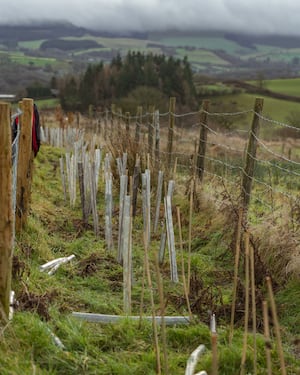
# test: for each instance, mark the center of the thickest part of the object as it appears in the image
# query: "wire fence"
(171, 141)
(277, 159)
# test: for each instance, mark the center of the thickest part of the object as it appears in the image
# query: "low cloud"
(265, 16)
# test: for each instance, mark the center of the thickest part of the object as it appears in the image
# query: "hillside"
(45, 338)
(48, 50)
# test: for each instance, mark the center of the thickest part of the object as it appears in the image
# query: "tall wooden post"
(248, 171)
(127, 122)
(150, 129)
(157, 138)
(6, 217)
(171, 129)
(113, 117)
(25, 159)
(138, 124)
(202, 139)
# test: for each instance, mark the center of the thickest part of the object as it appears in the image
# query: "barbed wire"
(272, 152)
(214, 162)
(266, 119)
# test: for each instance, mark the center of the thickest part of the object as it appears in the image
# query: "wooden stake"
(182, 264)
(190, 235)
(236, 269)
(25, 157)
(251, 154)
(276, 325)
(253, 310)
(6, 217)
(162, 313)
(171, 130)
(149, 279)
(267, 337)
(244, 352)
(202, 139)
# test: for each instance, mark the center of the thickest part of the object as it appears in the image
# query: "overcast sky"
(267, 16)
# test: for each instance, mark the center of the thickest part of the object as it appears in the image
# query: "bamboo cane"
(190, 236)
(253, 310)
(182, 264)
(244, 351)
(236, 269)
(154, 323)
(276, 325)
(267, 337)
(162, 313)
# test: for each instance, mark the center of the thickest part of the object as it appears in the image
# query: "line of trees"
(134, 80)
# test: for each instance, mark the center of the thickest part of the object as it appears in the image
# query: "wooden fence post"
(171, 129)
(6, 218)
(25, 159)
(136, 183)
(127, 122)
(157, 138)
(113, 117)
(105, 124)
(150, 129)
(202, 139)
(248, 170)
(138, 124)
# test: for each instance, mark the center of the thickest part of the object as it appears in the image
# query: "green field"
(212, 43)
(201, 57)
(31, 44)
(274, 109)
(284, 86)
(114, 42)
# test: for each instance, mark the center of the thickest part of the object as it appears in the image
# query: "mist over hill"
(33, 53)
(51, 30)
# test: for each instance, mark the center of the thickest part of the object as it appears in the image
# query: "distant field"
(212, 43)
(275, 109)
(201, 57)
(114, 42)
(20, 58)
(31, 44)
(284, 86)
(47, 103)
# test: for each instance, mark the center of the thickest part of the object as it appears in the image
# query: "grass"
(211, 43)
(201, 57)
(31, 44)
(93, 283)
(47, 103)
(275, 109)
(284, 86)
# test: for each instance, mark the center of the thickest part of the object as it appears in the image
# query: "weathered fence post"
(171, 129)
(146, 202)
(138, 124)
(6, 218)
(82, 193)
(248, 170)
(105, 124)
(113, 117)
(136, 183)
(127, 123)
(150, 129)
(157, 138)
(25, 158)
(123, 193)
(202, 139)
(108, 212)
